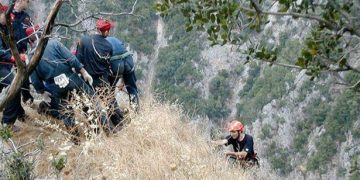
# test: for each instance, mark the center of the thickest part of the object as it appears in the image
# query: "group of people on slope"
(100, 59)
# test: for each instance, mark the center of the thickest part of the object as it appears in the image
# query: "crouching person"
(55, 70)
(122, 66)
(94, 51)
(242, 143)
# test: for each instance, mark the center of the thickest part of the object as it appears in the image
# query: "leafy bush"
(266, 131)
(279, 158)
(301, 138)
(219, 94)
(272, 85)
(19, 167)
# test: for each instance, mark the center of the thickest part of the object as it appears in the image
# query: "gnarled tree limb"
(23, 71)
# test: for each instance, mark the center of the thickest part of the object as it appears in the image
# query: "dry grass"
(159, 143)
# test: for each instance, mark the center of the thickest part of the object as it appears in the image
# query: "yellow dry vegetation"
(160, 142)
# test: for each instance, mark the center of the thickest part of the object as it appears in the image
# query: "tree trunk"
(24, 71)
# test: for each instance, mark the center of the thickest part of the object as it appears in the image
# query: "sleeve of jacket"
(70, 58)
(5, 54)
(37, 82)
(21, 22)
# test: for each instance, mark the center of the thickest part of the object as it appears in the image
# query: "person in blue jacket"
(13, 110)
(20, 21)
(122, 66)
(94, 51)
(55, 69)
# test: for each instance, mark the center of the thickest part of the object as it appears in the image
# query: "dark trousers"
(59, 96)
(25, 92)
(130, 82)
(104, 81)
(13, 109)
(125, 68)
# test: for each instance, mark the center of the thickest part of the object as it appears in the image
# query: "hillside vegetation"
(159, 143)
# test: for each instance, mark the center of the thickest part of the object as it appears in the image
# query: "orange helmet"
(236, 126)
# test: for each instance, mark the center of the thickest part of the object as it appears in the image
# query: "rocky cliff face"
(291, 112)
(282, 115)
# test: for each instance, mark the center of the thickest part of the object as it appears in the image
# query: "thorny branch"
(331, 25)
(95, 16)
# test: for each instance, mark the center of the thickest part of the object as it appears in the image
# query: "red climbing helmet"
(236, 126)
(104, 25)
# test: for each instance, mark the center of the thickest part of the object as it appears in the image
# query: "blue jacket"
(117, 45)
(120, 66)
(5, 54)
(57, 59)
(20, 23)
(95, 52)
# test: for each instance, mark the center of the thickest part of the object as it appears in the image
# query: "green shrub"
(19, 167)
(266, 131)
(326, 149)
(279, 159)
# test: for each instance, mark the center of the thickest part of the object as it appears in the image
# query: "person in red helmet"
(95, 52)
(243, 144)
(13, 110)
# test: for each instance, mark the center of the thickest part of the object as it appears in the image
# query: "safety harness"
(121, 56)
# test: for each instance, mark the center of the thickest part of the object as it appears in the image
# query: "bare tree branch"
(21, 67)
(329, 24)
(94, 15)
(356, 86)
(33, 153)
(10, 38)
(23, 70)
(286, 65)
(255, 4)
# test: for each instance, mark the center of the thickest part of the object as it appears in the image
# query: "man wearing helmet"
(242, 143)
(95, 52)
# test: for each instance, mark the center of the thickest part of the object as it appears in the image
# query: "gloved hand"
(86, 76)
(46, 96)
(23, 58)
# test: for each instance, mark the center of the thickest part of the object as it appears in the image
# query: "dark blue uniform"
(13, 109)
(94, 52)
(20, 23)
(123, 66)
(57, 60)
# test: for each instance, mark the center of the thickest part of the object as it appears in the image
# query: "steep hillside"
(302, 128)
(159, 143)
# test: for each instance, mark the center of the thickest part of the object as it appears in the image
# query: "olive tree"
(333, 36)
